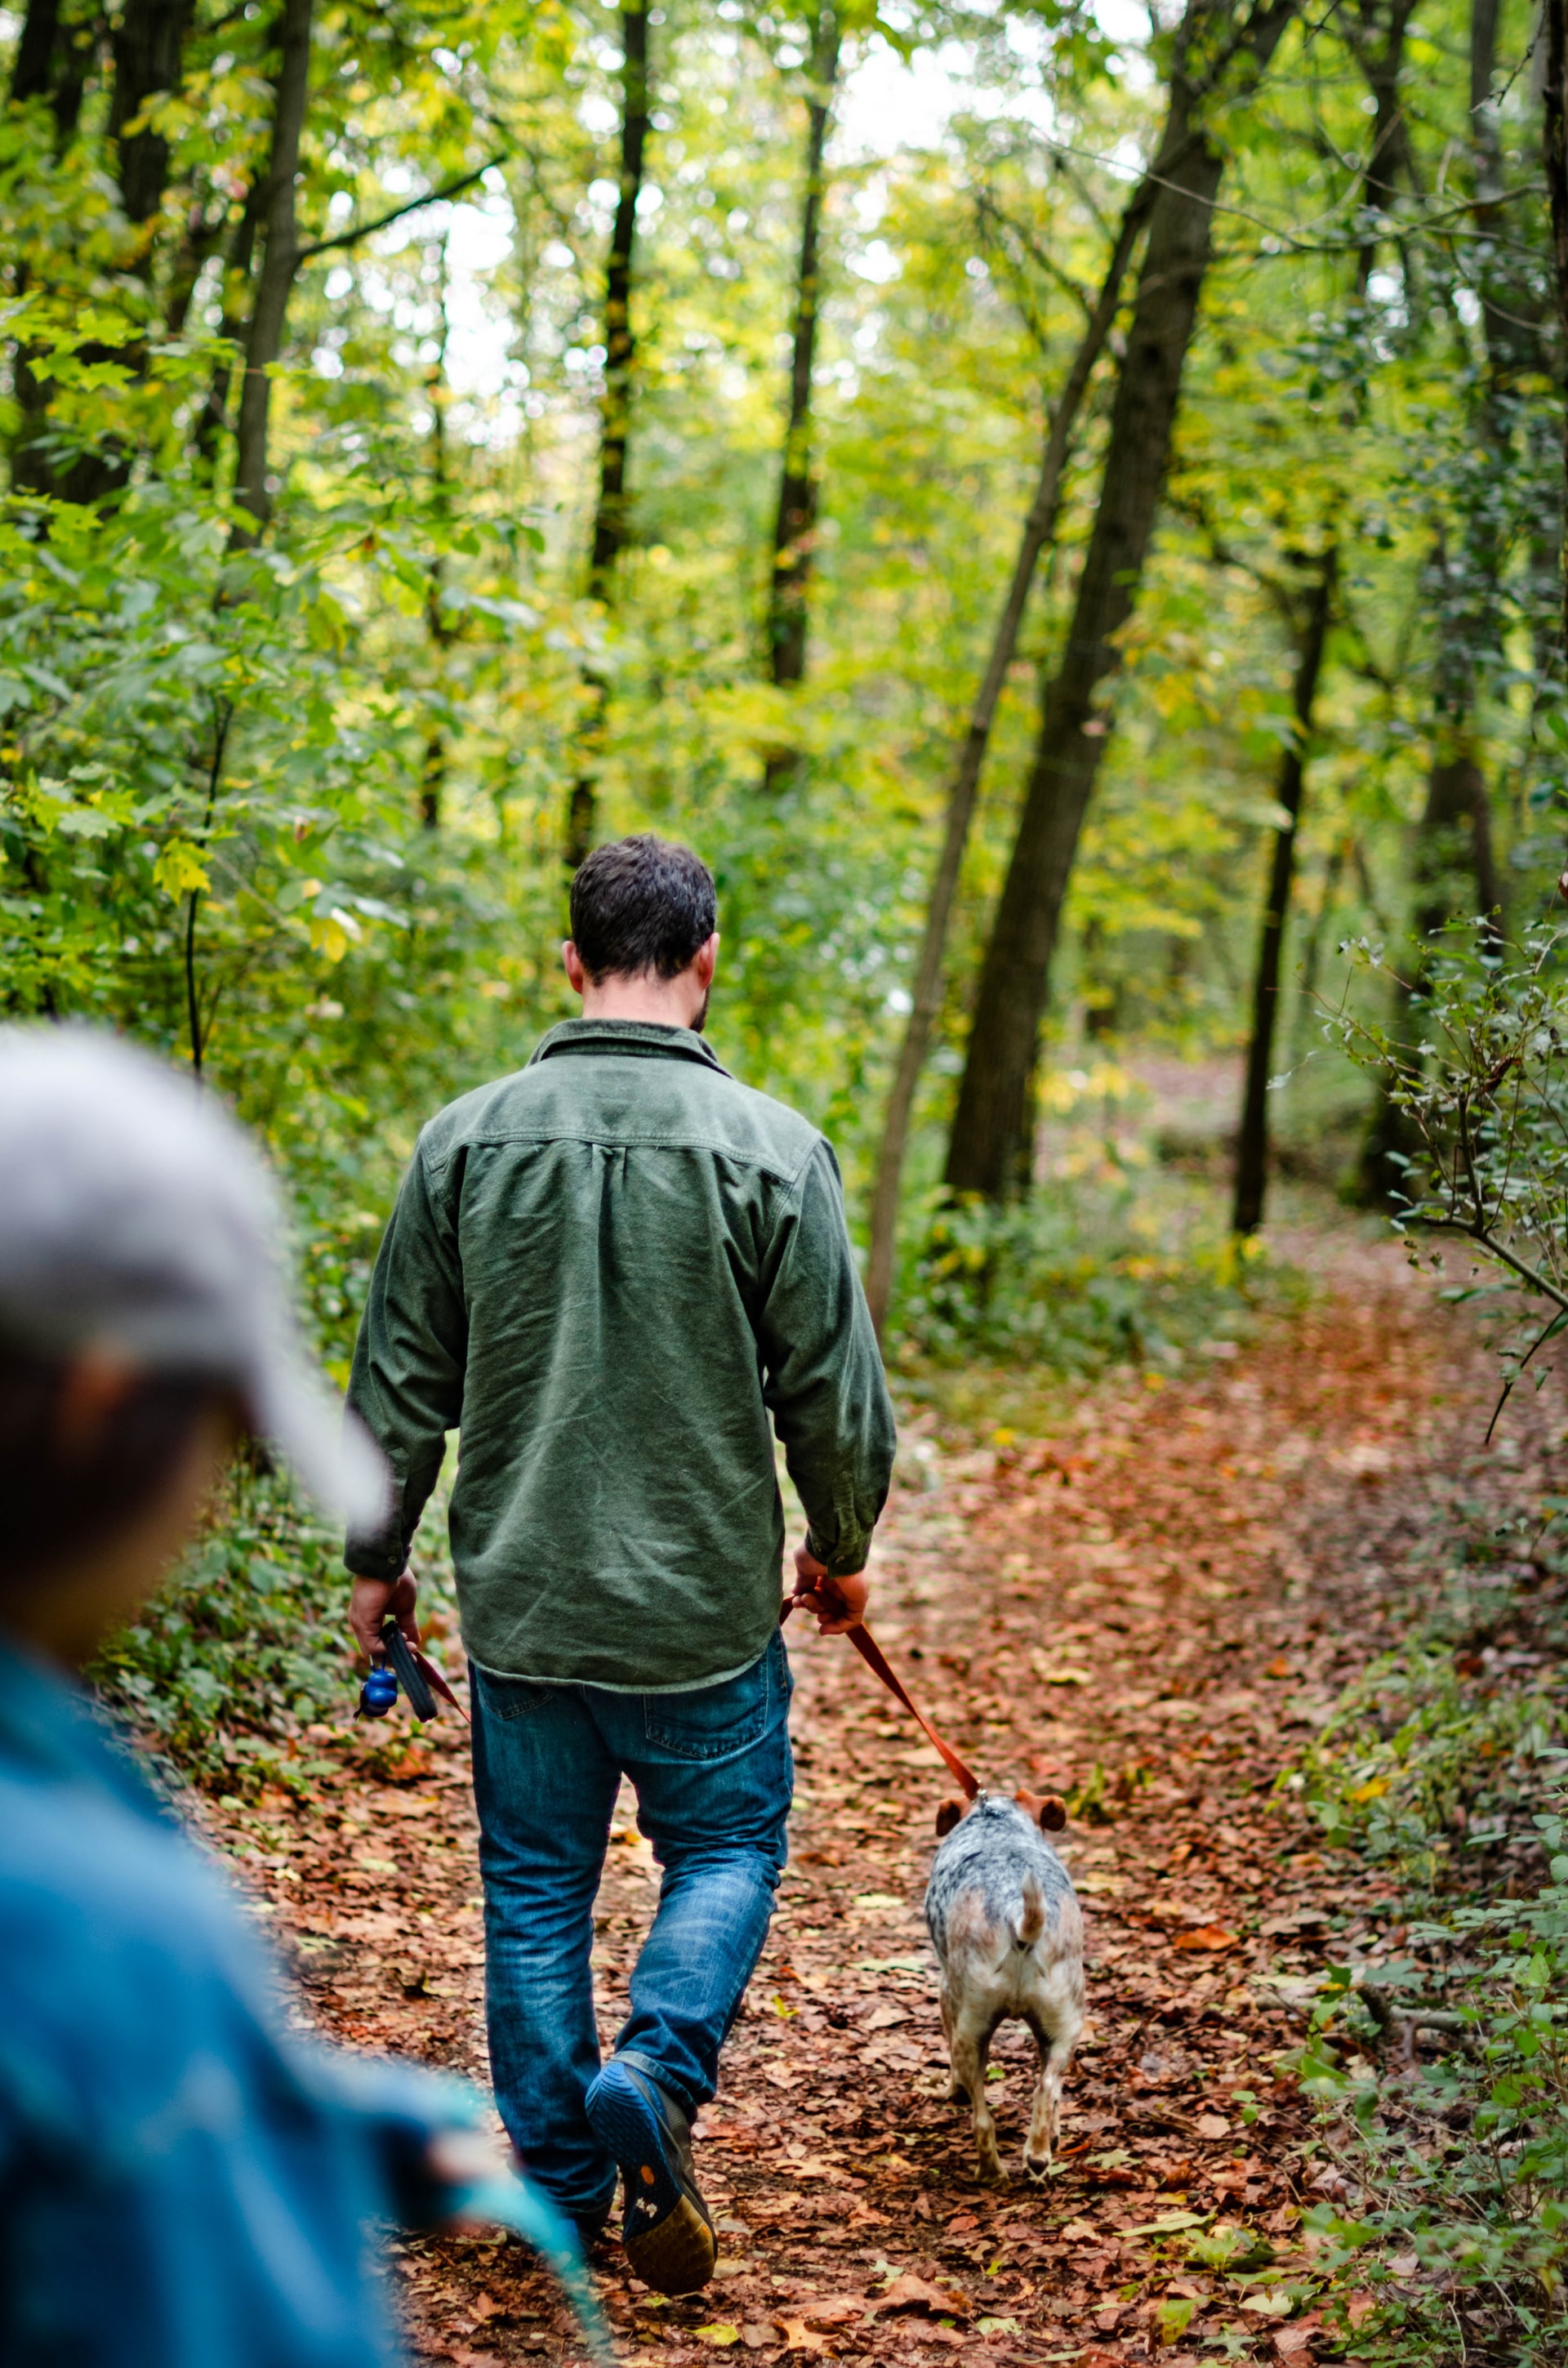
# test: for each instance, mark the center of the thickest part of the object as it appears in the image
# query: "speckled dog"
(1004, 1922)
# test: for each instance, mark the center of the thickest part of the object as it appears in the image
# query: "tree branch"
(365, 230)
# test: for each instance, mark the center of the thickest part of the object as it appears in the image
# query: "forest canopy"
(1061, 507)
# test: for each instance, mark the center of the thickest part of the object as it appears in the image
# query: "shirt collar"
(51, 1729)
(643, 1040)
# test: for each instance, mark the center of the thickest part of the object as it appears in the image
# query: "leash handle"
(875, 1660)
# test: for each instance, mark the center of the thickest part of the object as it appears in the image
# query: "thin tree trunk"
(986, 1152)
(795, 527)
(279, 264)
(236, 309)
(1554, 148)
(438, 624)
(1039, 528)
(1252, 1147)
(615, 420)
(1390, 164)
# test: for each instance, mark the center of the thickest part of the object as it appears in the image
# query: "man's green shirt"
(606, 1273)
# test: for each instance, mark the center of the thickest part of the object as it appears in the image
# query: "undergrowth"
(1124, 1268)
(1440, 2060)
(240, 1673)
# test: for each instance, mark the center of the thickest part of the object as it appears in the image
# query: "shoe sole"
(676, 2256)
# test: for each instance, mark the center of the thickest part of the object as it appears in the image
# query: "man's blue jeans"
(713, 1777)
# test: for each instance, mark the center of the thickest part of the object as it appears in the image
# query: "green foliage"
(241, 1672)
(1441, 2071)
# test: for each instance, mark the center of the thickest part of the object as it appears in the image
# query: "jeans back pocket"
(515, 1697)
(718, 1721)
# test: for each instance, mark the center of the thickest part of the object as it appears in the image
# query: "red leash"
(871, 1653)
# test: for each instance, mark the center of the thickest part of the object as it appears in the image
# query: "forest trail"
(1151, 1608)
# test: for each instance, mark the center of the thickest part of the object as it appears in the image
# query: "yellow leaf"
(719, 2333)
(179, 870)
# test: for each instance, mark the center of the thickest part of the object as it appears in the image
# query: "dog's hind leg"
(957, 2093)
(971, 2045)
(1055, 2047)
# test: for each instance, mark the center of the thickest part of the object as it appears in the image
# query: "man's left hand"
(370, 1601)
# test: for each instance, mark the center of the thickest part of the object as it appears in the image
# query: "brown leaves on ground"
(1148, 1612)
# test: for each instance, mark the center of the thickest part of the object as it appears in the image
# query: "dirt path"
(1151, 1610)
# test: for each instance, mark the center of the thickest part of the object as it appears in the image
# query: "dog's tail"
(1032, 1921)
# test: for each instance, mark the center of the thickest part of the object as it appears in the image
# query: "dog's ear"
(1048, 1810)
(948, 1816)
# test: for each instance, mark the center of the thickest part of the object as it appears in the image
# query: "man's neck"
(658, 1002)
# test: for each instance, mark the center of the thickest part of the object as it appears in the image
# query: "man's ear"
(948, 1816)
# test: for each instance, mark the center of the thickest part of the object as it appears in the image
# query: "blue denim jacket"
(183, 2185)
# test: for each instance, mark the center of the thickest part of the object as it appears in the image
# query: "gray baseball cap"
(137, 1217)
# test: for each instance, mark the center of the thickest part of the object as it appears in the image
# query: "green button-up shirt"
(606, 1273)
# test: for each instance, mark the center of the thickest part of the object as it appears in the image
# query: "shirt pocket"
(720, 1722)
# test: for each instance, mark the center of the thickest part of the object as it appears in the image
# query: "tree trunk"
(148, 44)
(1039, 528)
(437, 623)
(1554, 148)
(795, 525)
(1252, 1148)
(236, 308)
(615, 420)
(1389, 165)
(54, 52)
(620, 350)
(984, 1152)
(147, 47)
(281, 262)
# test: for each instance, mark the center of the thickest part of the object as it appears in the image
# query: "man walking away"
(608, 1271)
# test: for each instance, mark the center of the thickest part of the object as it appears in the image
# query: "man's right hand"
(369, 1602)
(840, 1603)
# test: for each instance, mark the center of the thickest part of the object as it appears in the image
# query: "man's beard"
(700, 1022)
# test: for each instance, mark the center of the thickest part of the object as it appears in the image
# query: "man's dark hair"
(640, 905)
(60, 1501)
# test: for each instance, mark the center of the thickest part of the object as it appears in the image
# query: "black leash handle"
(410, 1676)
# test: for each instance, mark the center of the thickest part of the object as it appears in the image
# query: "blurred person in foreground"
(183, 2185)
(618, 1274)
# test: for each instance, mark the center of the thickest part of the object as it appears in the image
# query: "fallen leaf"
(1279, 1667)
(798, 2337)
(909, 2293)
(1058, 1673)
(719, 2333)
(886, 2018)
(834, 2310)
(485, 2305)
(1212, 2125)
(1205, 1936)
(1359, 2307)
